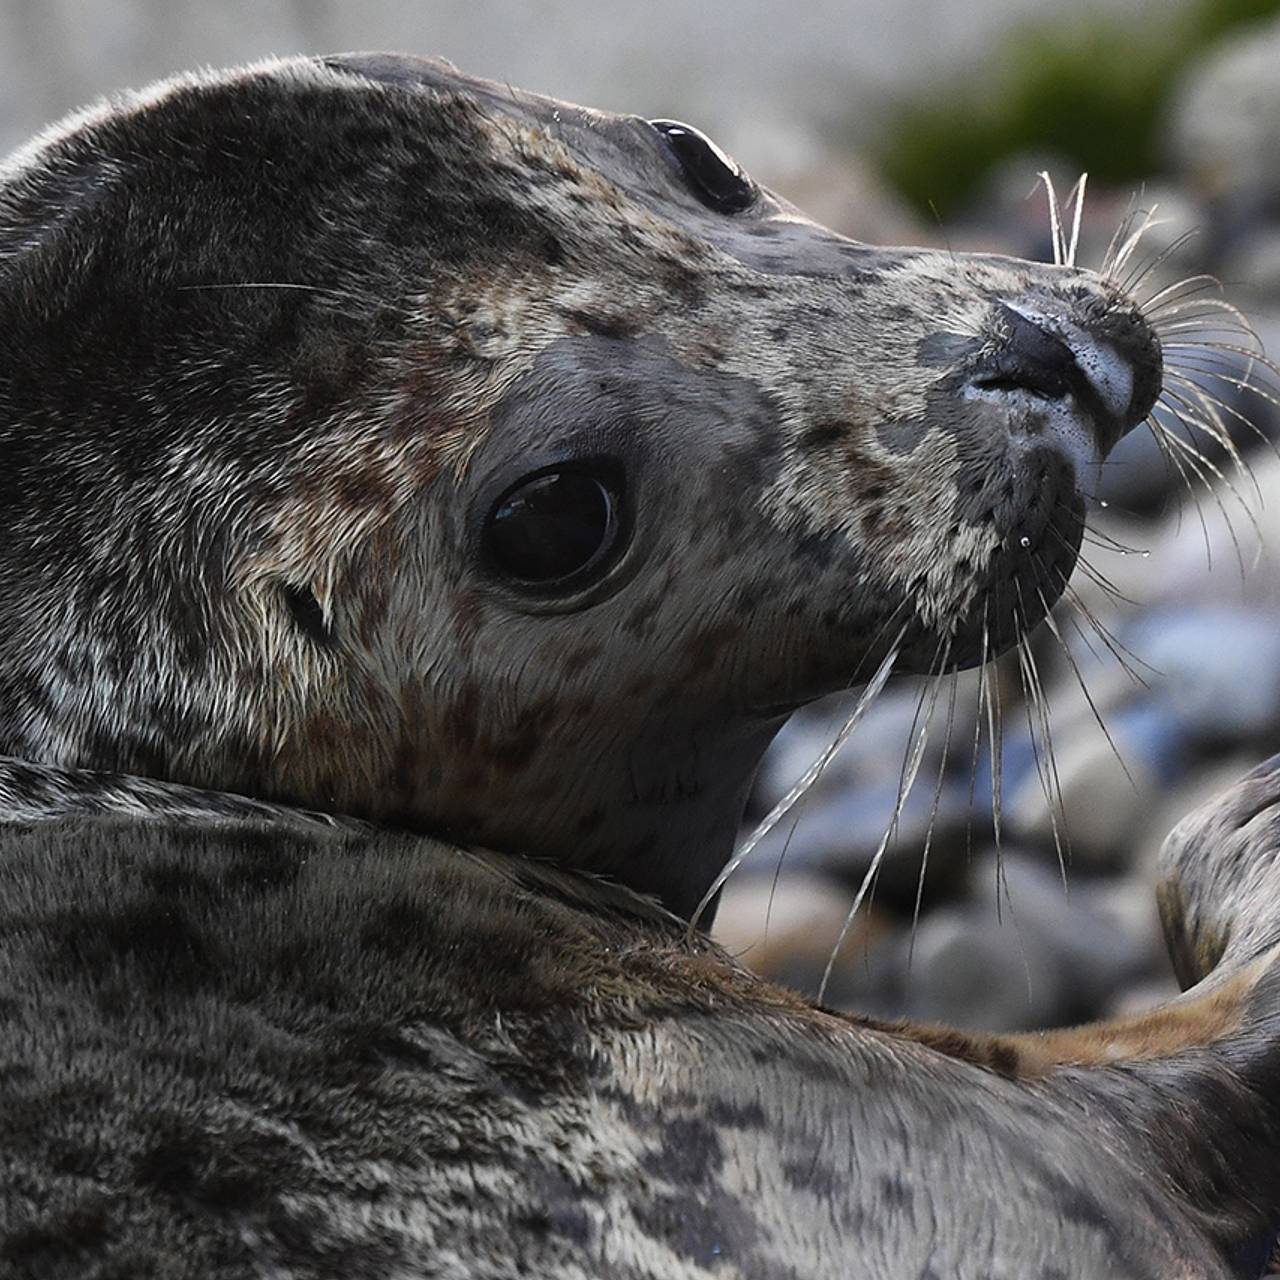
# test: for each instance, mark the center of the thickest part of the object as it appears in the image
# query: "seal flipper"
(1197, 1082)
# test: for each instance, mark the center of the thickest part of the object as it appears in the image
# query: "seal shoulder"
(498, 1062)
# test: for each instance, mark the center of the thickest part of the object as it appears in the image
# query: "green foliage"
(1093, 90)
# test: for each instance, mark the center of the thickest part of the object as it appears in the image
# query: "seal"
(424, 501)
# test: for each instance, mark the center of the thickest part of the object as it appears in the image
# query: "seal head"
(392, 443)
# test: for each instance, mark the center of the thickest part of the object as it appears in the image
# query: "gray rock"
(1099, 791)
(1142, 997)
(839, 833)
(964, 973)
(1224, 131)
(786, 929)
(844, 193)
(1026, 951)
(874, 753)
(1219, 668)
(1222, 548)
(1208, 779)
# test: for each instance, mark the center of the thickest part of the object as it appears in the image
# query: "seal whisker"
(1159, 432)
(995, 728)
(1197, 362)
(1253, 388)
(1075, 201)
(995, 743)
(1182, 346)
(806, 781)
(933, 812)
(1116, 647)
(1214, 405)
(1095, 575)
(975, 755)
(1042, 753)
(911, 767)
(1199, 291)
(1190, 413)
(1105, 542)
(1215, 319)
(1100, 579)
(323, 290)
(1156, 260)
(1141, 268)
(1168, 294)
(1055, 219)
(1201, 317)
(1052, 625)
(1196, 408)
(796, 815)
(1185, 455)
(1126, 250)
(1123, 228)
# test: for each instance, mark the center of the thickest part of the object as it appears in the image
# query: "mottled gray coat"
(274, 344)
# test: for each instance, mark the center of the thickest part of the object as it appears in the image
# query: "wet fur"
(289, 1033)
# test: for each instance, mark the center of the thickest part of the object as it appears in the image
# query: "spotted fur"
(280, 335)
(274, 340)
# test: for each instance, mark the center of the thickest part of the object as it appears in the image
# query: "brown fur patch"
(1183, 1024)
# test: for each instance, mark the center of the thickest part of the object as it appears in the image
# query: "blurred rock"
(1027, 952)
(1142, 997)
(966, 974)
(839, 833)
(1105, 788)
(786, 929)
(1148, 473)
(1208, 779)
(1254, 258)
(1138, 477)
(1219, 668)
(1219, 548)
(844, 193)
(1009, 212)
(1224, 133)
(1223, 554)
(878, 746)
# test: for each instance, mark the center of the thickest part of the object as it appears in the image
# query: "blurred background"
(927, 123)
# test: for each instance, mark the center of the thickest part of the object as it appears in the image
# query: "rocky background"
(927, 123)
(1182, 667)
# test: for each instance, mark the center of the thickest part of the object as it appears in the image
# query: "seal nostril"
(1032, 360)
(1105, 356)
(1031, 381)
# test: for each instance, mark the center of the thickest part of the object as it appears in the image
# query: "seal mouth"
(1066, 382)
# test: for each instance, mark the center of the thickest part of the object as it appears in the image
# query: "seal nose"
(1112, 367)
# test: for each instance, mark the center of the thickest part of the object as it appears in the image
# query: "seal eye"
(717, 181)
(553, 528)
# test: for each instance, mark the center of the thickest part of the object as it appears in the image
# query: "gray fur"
(489, 1079)
(275, 341)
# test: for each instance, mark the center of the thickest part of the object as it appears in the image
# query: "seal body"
(398, 467)
(504, 1071)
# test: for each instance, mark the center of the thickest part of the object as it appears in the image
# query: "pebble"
(1219, 672)
(785, 928)
(1025, 951)
(839, 833)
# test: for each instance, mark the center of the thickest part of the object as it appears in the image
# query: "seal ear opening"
(305, 610)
